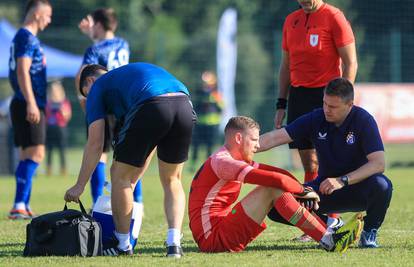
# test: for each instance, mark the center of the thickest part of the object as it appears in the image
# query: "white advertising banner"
(227, 62)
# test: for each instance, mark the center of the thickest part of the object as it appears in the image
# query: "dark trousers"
(56, 138)
(204, 135)
(372, 195)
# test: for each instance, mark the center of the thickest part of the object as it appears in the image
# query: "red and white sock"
(292, 211)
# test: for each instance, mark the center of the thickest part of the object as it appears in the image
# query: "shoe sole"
(18, 217)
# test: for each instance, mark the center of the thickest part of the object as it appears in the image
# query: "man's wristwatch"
(344, 179)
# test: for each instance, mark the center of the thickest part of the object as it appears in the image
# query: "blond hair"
(241, 123)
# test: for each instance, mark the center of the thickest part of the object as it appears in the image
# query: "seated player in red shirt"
(217, 225)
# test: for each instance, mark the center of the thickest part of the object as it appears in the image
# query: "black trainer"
(111, 249)
(175, 252)
(117, 252)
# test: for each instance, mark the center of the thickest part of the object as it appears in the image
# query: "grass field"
(272, 248)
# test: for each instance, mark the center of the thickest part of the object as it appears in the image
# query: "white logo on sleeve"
(322, 136)
(314, 40)
(350, 138)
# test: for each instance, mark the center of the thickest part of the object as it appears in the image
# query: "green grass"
(272, 248)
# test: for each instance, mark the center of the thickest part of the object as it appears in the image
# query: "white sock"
(124, 243)
(20, 206)
(327, 241)
(173, 237)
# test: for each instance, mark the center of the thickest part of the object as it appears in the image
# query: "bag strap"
(80, 205)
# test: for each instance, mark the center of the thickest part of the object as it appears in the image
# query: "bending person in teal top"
(156, 113)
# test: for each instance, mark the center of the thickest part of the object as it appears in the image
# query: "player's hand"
(86, 25)
(74, 193)
(279, 116)
(329, 185)
(308, 198)
(32, 113)
(309, 204)
(307, 193)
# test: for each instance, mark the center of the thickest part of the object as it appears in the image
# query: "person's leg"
(49, 150)
(211, 135)
(258, 203)
(123, 178)
(138, 192)
(138, 209)
(174, 199)
(301, 101)
(62, 150)
(372, 195)
(172, 152)
(34, 156)
(31, 138)
(310, 163)
(98, 178)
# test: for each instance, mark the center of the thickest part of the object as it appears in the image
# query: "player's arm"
(85, 26)
(25, 84)
(272, 179)
(275, 169)
(273, 138)
(375, 164)
(349, 61)
(284, 83)
(91, 156)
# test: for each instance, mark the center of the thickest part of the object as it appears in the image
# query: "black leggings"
(56, 138)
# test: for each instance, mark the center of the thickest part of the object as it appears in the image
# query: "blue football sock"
(20, 182)
(138, 192)
(31, 167)
(24, 175)
(98, 181)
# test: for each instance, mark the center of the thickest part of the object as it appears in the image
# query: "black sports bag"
(64, 233)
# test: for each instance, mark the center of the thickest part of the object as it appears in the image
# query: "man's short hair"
(106, 17)
(32, 4)
(342, 88)
(88, 71)
(241, 123)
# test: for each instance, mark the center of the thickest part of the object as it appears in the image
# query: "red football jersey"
(312, 40)
(214, 190)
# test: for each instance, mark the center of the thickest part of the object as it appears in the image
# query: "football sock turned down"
(98, 181)
(24, 176)
(292, 211)
(124, 241)
(173, 237)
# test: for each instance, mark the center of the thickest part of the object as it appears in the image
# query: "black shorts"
(301, 101)
(109, 132)
(165, 122)
(26, 134)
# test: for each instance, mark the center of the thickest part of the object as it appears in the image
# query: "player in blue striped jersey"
(111, 52)
(27, 75)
